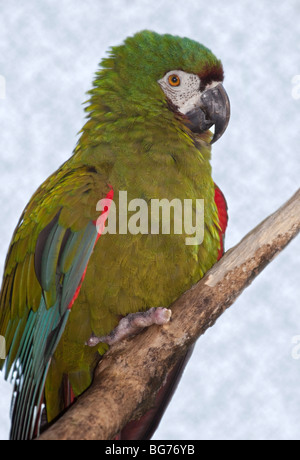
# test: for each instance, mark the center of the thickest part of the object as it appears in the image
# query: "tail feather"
(29, 371)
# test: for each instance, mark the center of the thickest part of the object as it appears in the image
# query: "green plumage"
(132, 141)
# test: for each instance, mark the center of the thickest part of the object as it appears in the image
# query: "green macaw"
(149, 113)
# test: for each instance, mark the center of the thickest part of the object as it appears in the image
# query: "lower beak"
(214, 109)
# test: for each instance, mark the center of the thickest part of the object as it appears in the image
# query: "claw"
(132, 324)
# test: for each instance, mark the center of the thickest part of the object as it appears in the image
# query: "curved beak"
(213, 109)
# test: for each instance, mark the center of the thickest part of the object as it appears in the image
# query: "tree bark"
(132, 371)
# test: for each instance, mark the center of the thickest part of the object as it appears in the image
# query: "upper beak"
(214, 109)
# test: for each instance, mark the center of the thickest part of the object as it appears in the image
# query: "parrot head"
(151, 73)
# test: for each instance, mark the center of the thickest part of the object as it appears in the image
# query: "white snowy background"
(242, 382)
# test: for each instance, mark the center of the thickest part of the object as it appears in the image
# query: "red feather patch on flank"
(69, 396)
(100, 226)
(223, 217)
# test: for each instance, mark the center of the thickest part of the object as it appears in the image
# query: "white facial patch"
(185, 95)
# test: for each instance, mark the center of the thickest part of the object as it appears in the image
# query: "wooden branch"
(130, 374)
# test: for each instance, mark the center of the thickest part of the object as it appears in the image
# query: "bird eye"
(174, 80)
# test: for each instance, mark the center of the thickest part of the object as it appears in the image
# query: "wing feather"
(44, 269)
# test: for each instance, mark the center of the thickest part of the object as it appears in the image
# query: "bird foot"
(132, 324)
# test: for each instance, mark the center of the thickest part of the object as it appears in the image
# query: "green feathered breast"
(131, 142)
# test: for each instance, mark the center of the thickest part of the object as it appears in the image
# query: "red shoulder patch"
(223, 217)
(99, 223)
